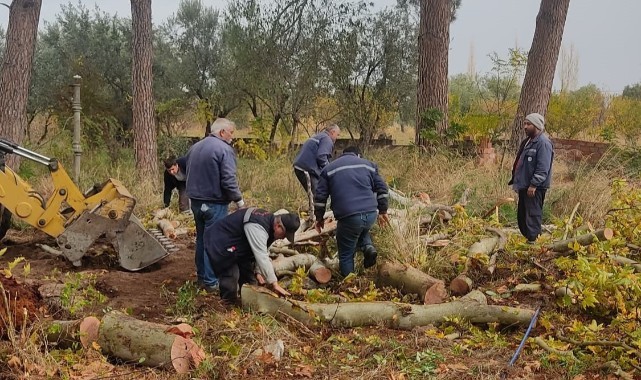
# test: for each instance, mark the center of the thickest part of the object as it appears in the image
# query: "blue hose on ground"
(527, 333)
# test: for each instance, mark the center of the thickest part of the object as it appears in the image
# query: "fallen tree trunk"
(388, 314)
(311, 263)
(410, 280)
(146, 343)
(478, 258)
(67, 334)
(587, 239)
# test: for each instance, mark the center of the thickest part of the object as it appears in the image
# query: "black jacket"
(172, 183)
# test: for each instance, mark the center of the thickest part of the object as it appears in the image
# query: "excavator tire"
(5, 221)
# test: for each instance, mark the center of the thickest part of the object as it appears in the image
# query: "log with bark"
(563, 246)
(69, 334)
(316, 269)
(626, 261)
(146, 343)
(389, 314)
(330, 226)
(500, 248)
(478, 256)
(410, 280)
(168, 227)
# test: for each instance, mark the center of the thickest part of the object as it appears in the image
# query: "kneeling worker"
(240, 240)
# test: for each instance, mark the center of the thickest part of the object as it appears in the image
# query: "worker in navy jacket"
(237, 247)
(357, 192)
(211, 186)
(531, 175)
(314, 156)
(175, 177)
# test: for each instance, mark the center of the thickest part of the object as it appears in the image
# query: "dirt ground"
(140, 293)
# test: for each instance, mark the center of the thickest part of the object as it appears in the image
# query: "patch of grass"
(185, 300)
(79, 293)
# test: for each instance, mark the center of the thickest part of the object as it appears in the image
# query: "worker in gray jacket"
(531, 175)
(314, 156)
(211, 186)
(357, 192)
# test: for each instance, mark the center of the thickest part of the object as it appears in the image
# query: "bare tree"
(542, 60)
(142, 90)
(433, 47)
(15, 74)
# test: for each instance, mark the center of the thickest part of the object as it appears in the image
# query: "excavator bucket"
(112, 217)
(138, 249)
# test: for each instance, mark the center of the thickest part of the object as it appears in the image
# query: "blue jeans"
(352, 232)
(205, 214)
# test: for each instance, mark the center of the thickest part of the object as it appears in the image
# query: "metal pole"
(77, 148)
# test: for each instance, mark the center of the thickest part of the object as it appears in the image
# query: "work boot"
(370, 255)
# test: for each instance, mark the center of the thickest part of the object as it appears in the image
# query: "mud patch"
(20, 305)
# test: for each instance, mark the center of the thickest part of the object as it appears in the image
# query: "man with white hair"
(531, 175)
(211, 186)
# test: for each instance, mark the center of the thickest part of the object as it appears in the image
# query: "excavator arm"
(77, 219)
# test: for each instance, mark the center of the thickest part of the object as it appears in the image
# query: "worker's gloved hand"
(383, 220)
(240, 203)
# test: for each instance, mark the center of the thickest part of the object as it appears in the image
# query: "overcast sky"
(605, 34)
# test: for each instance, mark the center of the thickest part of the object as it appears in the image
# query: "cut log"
(431, 239)
(500, 247)
(67, 334)
(330, 226)
(387, 314)
(482, 248)
(527, 288)
(410, 280)
(587, 239)
(283, 251)
(626, 261)
(167, 227)
(146, 343)
(316, 269)
(435, 294)
(461, 285)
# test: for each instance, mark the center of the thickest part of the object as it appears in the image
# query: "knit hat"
(537, 120)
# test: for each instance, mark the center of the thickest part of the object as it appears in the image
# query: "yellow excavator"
(76, 219)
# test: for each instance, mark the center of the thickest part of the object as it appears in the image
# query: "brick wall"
(580, 150)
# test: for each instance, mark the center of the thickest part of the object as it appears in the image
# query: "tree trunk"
(472, 307)
(433, 45)
(15, 74)
(145, 145)
(541, 64)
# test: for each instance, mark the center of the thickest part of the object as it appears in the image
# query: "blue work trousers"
(205, 214)
(352, 232)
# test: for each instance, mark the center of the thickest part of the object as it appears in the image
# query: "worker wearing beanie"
(531, 175)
